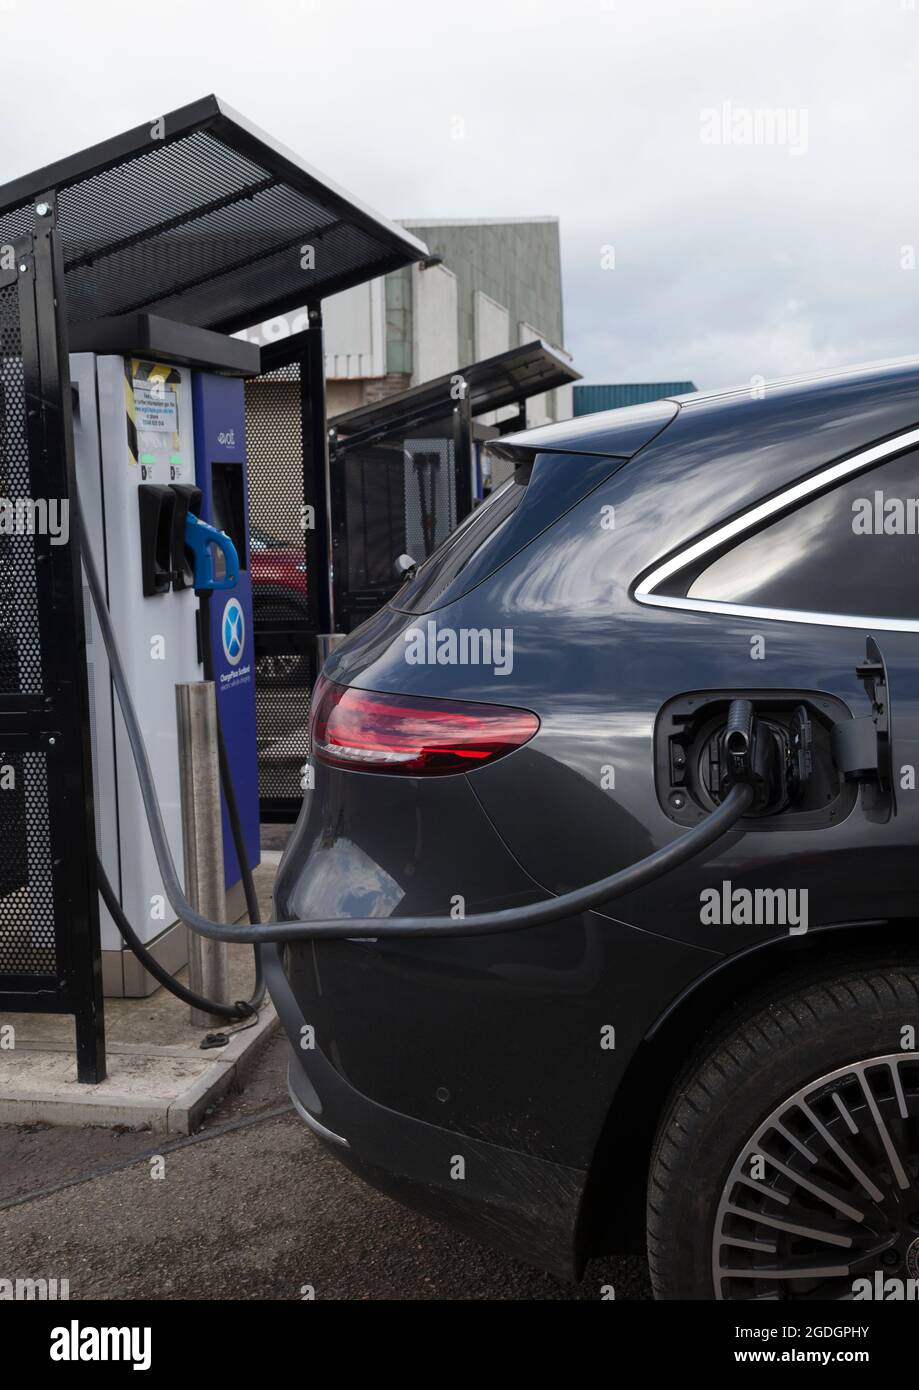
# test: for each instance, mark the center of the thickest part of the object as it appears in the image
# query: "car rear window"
(851, 550)
(539, 492)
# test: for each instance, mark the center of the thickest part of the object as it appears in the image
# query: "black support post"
(70, 691)
(316, 478)
(462, 453)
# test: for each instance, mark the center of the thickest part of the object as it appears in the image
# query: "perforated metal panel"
(285, 627)
(20, 650)
(274, 449)
(27, 935)
(49, 931)
(28, 943)
(199, 217)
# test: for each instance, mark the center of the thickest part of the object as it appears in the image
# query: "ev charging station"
(154, 619)
(156, 442)
(135, 262)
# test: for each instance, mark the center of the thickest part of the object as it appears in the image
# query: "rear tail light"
(367, 731)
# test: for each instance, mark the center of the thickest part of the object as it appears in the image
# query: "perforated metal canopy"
(202, 218)
(498, 381)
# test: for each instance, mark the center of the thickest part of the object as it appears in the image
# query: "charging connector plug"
(753, 754)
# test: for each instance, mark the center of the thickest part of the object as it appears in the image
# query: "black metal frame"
(56, 721)
(167, 340)
(462, 452)
(347, 605)
(494, 383)
(317, 491)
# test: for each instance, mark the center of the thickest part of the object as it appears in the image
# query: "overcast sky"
(686, 255)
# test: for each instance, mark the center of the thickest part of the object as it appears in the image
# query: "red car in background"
(279, 606)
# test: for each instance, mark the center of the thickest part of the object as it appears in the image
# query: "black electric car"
(722, 1065)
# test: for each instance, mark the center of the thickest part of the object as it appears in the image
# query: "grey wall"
(516, 263)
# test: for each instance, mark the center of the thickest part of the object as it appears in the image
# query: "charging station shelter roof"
(494, 382)
(202, 218)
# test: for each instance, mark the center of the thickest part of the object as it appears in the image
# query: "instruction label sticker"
(156, 408)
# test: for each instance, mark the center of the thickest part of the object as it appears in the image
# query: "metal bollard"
(326, 642)
(202, 840)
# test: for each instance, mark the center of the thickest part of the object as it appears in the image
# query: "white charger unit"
(133, 429)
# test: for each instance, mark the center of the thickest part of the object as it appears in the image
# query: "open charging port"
(781, 739)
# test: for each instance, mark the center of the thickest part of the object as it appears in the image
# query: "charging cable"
(702, 837)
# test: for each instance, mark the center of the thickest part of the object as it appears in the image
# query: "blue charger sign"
(220, 453)
(233, 631)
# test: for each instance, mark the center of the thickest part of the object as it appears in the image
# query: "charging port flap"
(862, 746)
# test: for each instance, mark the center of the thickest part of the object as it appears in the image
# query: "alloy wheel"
(826, 1192)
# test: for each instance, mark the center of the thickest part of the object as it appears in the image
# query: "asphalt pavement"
(252, 1207)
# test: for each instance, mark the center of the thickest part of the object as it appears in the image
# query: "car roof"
(727, 451)
(808, 381)
(624, 431)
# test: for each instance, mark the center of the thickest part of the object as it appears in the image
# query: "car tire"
(799, 1060)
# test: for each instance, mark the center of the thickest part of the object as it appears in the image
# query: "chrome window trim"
(798, 492)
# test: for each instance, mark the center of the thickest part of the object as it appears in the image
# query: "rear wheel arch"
(613, 1210)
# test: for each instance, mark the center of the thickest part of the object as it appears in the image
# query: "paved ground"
(251, 1207)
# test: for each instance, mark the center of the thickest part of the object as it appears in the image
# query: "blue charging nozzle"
(200, 538)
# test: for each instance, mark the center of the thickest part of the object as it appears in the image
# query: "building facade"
(490, 284)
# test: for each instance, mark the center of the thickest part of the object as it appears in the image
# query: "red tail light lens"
(367, 731)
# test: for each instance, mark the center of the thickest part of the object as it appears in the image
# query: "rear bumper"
(525, 1206)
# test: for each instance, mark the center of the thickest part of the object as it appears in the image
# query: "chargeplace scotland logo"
(233, 631)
